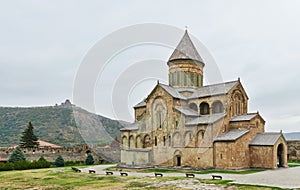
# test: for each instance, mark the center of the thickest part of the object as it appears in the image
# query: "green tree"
(42, 159)
(59, 162)
(89, 159)
(28, 138)
(17, 155)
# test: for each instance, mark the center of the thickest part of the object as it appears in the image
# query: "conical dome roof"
(186, 50)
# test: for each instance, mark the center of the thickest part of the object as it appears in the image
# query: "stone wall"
(232, 155)
(293, 150)
(261, 156)
(78, 153)
(136, 157)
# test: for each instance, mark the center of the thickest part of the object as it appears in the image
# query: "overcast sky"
(43, 43)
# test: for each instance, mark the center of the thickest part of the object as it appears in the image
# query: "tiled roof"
(3, 159)
(47, 144)
(244, 117)
(186, 111)
(206, 119)
(186, 50)
(141, 104)
(232, 135)
(265, 139)
(131, 127)
(212, 90)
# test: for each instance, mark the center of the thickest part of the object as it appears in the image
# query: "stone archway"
(280, 155)
(177, 158)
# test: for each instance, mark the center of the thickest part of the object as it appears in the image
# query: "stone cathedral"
(187, 124)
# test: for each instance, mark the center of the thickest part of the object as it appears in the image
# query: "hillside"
(64, 125)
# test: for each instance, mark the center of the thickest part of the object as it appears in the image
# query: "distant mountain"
(292, 136)
(64, 125)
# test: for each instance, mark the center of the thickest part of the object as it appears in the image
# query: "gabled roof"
(206, 119)
(186, 50)
(141, 104)
(231, 135)
(265, 139)
(186, 111)
(213, 90)
(172, 91)
(244, 117)
(131, 127)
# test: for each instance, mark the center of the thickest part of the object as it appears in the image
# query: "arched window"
(159, 112)
(147, 141)
(237, 103)
(217, 107)
(193, 106)
(155, 141)
(138, 142)
(199, 139)
(131, 142)
(124, 142)
(187, 138)
(176, 140)
(159, 118)
(204, 108)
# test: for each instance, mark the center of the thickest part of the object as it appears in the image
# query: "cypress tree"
(17, 155)
(89, 159)
(28, 138)
(59, 162)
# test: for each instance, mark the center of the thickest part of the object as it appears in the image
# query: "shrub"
(17, 155)
(42, 159)
(89, 160)
(6, 166)
(22, 165)
(40, 164)
(59, 162)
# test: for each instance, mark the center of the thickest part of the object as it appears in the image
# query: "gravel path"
(282, 177)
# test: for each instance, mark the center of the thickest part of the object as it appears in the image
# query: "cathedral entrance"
(178, 160)
(280, 156)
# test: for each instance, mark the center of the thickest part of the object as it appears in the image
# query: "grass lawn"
(164, 170)
(293, 164)
(65, 178)
(56, 178)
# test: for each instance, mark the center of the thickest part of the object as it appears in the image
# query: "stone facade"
(188, 124)
(293, 149)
